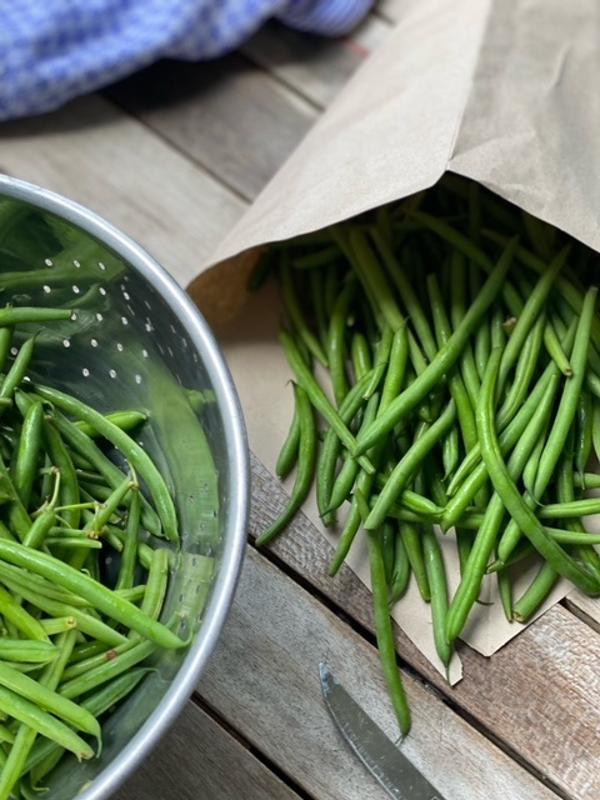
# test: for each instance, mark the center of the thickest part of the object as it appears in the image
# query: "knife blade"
(390, 767)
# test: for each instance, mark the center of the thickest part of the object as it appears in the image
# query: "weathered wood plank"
(314, 66)
(263, 679)
(539, 694)
(228, 115)
(105, 159)
(199, 759)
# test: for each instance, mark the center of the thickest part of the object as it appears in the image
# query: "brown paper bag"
(500, 91)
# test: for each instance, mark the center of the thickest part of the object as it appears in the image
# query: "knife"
(382, 758)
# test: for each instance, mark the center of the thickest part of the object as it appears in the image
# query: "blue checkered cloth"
(53, 50)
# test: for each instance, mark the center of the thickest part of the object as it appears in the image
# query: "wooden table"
(173, 156)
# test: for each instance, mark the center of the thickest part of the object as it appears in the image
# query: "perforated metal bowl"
(137, 341)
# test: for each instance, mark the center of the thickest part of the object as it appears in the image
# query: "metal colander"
(136, 341)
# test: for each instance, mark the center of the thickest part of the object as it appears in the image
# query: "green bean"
(585, 423)
(515, 427)
(555, 350)
(407, 465)
(104, 512)
(458, 392)
(524, 371)
(414, 550)
(401, 571)
(566, 493)
(563, 420)
(464, 542)
(372, 276)
(347, 475)
(18, 370)
(565, 288)
(86, 623)
(37, 692)
(382, 357)
(88, 649)
(318, 398)
(58, 625)
(450, 452)
(436, 576)
(393, 381)
(26, 734)
(74, 542)
(306, 465)
(41, 722)
(505, 590)
(39, 585)
(443, 362)
(530, 469)
(128, 556)
(331, 448)
(336, 341)
(508, 439)
(388, 548)
(6, 335)
(587, 481)
(132, 451)
(509, 494)
(20, 618)
(27, 650)
(125, 420)
(156, 584)
(537, 593)
(407, 293)
(468, 367)
(475, 569)
(93, 678)
(297, 317)
(385, 634)
(23, 314)
(530, 312)
(116, 538)
(136, 593)
(361, 355)
(98, 595)
(6, 735)
(87, 448)
(84, 665)
(97, 704)
(69, 486)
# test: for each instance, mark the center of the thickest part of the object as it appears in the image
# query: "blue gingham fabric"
(53, 50)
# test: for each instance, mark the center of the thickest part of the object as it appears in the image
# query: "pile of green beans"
(85, 556)
(446, 358)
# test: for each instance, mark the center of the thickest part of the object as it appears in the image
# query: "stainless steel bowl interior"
(137, 341)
